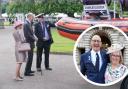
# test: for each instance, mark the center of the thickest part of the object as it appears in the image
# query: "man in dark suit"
(93, 63)
(43, 33)
(29, 35)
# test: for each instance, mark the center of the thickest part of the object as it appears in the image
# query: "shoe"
(29, 74)
(49, 69)
(32, 72)
(21, 77)
(39, 69)
(18, 79)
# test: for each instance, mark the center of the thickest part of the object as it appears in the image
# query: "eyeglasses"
(96, 41)
(115, 55)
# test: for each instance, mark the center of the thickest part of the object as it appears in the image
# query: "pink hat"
(17, 23)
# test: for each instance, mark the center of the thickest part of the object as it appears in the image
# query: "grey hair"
(29, 14)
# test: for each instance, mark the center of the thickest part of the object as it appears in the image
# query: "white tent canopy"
(61, 15)
(76, 15)
(4, 15)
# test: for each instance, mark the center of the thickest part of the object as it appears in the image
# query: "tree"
(45, 6)
(0, 8)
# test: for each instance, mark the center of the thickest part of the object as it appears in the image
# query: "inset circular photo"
(100, 55)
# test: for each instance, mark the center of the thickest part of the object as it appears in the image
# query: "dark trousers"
(44, 47)
(29, 61)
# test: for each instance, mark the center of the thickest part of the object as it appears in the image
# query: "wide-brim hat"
(115, 48)
(41, 15)
(17, 23)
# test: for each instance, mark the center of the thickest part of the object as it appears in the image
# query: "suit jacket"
(28, 33)
(87, 67)
(39, 33)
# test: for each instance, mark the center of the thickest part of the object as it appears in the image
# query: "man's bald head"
(96, 43)
(96, 37)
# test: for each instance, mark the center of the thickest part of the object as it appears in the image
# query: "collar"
(94, 52)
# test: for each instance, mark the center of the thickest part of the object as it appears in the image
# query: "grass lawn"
(61, 44)
(7, 24)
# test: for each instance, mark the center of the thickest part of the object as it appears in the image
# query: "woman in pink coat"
(20, 55)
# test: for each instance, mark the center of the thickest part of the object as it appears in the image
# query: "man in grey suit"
(29, 35)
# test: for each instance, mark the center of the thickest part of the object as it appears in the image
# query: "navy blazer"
(87, 68)
(39, 33)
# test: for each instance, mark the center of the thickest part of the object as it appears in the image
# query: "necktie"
(97, 62)
(43, 29)
(46, 35)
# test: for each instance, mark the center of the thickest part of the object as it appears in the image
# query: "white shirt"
(93, 58)
(46, 37)
(46, 34)
(28, 21)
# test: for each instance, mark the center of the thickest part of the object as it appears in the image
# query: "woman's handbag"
(24, 47)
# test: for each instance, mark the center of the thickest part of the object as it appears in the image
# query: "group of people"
(102, 66)
(98, 65)
(25, 33)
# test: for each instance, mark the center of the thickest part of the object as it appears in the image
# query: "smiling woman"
(115, 69)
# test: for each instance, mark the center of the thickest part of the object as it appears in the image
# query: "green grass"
(7, 24)
(61, 44)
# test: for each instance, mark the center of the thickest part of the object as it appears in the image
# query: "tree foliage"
(46, 6)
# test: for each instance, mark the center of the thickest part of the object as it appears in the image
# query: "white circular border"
(74, 55)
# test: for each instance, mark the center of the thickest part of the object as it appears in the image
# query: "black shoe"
(39, 69)
(29, 74)
(32, 72)
(49, 69)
